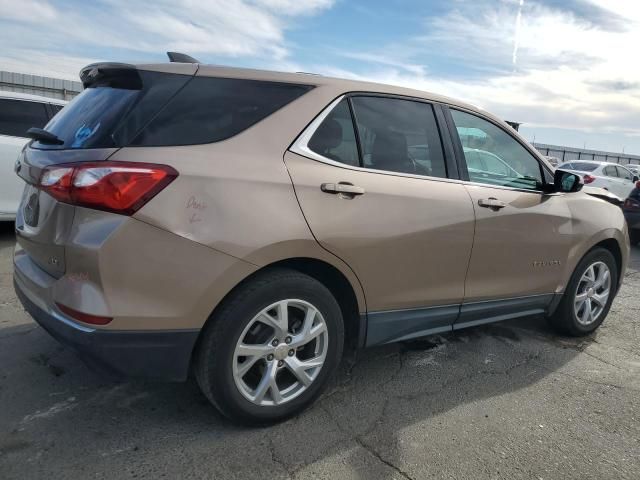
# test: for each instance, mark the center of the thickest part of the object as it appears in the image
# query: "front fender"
(595, 221)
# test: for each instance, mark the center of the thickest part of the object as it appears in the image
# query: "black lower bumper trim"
(152, 355)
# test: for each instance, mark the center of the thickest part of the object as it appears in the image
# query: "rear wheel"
(588, 296)
(271, 348)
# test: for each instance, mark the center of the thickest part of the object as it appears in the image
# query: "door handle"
(342, 187)
(492, 203)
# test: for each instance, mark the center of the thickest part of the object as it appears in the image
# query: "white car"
(18, 113)
(554, 161)
(612, 177)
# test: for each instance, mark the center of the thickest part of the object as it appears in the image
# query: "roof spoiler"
(109, 74)
(176, 57)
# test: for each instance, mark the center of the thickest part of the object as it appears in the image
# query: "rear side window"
(610, 171)
(18, 116)
(399, 135)
(212, 109)
(335, 138)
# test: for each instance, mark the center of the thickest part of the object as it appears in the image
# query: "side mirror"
(567, 182)
(635, 178)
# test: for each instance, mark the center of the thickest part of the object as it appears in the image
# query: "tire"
(218, 365)
(571, 320)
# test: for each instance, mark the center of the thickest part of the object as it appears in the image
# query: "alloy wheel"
(592, 293)
(280, 352)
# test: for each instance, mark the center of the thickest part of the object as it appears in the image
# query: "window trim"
(462, 163)
(300, 144)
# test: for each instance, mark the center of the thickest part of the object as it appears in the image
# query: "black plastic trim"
(153, 355)
(478, 313)
(398, 325)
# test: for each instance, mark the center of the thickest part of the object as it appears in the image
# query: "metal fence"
(568, 153)
(36, 85)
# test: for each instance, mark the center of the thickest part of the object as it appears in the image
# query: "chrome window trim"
(300, 147)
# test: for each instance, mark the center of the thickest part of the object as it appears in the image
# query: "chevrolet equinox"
(248, 226)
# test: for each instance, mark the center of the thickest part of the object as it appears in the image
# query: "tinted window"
(18, 116)
(493, 156)
(399, 136)
(111, 114)
(610, 171)
(335, 138)
(624, 173)
(56, 108)
(212, 109)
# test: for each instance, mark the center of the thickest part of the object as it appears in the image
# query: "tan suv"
(250, 225)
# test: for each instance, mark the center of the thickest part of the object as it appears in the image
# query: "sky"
(567, 69)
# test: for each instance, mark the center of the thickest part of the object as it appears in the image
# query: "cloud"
(226, 28)
(573, 71)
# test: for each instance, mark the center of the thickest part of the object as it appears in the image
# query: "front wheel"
(270, 348)
(588, 296)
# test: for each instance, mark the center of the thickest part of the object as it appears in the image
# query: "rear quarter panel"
(236, 196)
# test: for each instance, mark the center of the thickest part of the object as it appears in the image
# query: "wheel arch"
(350, 297)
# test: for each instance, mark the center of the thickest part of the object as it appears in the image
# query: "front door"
(522, 235)
(378, 197)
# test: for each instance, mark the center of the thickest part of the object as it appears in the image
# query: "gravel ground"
(510, 400)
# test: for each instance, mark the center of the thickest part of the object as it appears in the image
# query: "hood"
(603, 194)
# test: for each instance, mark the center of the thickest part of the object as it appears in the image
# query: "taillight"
(83, 317)
(119, 187)
(631, 204)
(588, 179)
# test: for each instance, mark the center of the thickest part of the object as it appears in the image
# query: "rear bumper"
(152, 355)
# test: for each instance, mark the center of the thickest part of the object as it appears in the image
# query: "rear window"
(167, 109)
(106, 116)
(581, 166)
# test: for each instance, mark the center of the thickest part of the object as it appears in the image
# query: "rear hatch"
(117, 103)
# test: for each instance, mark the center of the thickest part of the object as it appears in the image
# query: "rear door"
(378, 196)
(626, 181)
(613, 182)
(522, 235)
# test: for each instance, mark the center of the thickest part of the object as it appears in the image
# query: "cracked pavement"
(511, 400)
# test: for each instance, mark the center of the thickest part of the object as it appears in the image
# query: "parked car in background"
(610, 176)
(18, 113)
(249, 226)
(635, 169)
(554, 161)
(631, 209)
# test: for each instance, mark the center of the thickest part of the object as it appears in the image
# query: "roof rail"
(177, 57)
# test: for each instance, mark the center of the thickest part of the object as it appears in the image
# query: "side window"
(18, 116)
(624, 173)
(399, 136)
(335, 138)
(610, 171)
(505, 161)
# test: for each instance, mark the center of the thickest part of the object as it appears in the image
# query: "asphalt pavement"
(511, 400)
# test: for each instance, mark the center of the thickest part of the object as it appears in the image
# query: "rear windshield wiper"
(43, 136)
